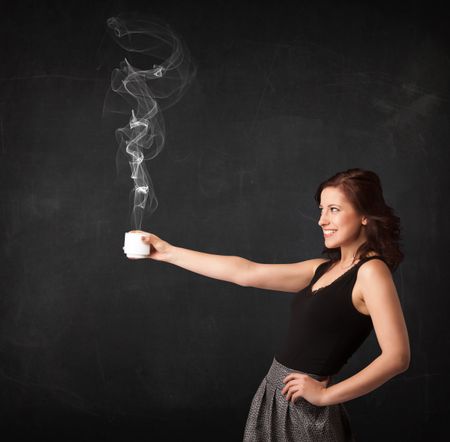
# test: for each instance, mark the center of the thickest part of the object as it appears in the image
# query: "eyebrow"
(329, 205)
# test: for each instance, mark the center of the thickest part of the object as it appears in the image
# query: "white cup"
(134, 247)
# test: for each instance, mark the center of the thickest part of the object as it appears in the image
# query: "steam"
(149, 92)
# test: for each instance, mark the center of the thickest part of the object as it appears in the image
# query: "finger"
(292, 376)
(292, 389)
(288, 385)
(288, 378)
(288, 394)
(296, 383)
(293, 379)
(292, 393)
(147, 238)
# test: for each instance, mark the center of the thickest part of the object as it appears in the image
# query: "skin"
(378, 292)
(338, 213)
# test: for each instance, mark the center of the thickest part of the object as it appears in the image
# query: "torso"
(357, 295)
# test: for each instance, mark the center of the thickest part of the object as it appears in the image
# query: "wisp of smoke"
(149, 91)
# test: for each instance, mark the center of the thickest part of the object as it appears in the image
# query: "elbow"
(243, 277)
(402, 363)
(243, 282)
(398, 362)
(405, 359)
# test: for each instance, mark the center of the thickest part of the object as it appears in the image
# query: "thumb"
(150, 238)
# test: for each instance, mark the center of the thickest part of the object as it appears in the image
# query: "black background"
(96, 347)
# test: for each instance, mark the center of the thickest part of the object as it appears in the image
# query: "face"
(338, 214)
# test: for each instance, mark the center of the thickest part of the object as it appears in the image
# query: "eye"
(332, 208)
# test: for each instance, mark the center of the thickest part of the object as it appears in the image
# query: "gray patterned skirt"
(273, 418)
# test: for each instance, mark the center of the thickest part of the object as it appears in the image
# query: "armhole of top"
(313, 279)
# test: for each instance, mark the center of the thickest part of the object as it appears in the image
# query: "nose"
(322, 220)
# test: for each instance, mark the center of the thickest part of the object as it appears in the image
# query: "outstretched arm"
(279, 277)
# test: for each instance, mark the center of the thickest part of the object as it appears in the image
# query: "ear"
(364, 221)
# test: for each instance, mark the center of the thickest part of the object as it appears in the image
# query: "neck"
(348, 258)
(348, 253)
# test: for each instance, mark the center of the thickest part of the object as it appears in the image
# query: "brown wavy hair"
(363, 189)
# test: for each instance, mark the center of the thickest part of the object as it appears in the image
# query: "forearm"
(379, 371)
(225, 268)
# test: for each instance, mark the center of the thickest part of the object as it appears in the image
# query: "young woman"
(337, 302)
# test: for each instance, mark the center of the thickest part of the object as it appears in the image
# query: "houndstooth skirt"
(273, 418)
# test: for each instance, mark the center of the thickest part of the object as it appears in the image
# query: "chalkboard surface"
(94, 346)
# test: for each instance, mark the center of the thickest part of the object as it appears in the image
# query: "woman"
(337, 302)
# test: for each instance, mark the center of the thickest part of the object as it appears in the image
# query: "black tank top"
(325, 328)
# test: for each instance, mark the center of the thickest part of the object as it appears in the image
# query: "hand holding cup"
(140, 244)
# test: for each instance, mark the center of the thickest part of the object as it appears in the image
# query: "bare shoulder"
(374, 272)
(374, 268)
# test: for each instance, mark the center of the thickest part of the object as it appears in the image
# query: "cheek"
(346, 222)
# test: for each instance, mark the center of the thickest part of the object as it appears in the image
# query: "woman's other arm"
(382, 302)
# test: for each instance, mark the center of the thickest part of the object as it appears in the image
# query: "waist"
(278, 372)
